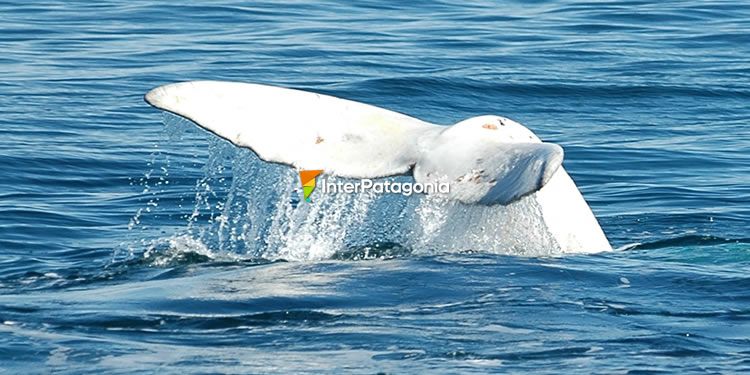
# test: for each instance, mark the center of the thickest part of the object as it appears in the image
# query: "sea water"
(132, 241)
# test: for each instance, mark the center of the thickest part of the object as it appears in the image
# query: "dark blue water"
(124, 242)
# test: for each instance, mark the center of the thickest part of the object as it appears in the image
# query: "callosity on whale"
(487, 160)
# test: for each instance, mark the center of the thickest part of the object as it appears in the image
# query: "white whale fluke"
(486, 160)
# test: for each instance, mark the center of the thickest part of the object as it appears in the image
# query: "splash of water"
(242, 205)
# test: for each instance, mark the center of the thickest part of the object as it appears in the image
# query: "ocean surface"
(133, 241)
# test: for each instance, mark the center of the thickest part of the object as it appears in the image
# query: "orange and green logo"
(307, 177)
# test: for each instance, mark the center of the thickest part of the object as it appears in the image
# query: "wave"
(419, 85)
(691, 240)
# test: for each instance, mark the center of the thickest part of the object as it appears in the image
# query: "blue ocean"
(131, 240)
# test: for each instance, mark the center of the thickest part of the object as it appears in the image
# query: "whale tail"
(486, 160)
(350, 139)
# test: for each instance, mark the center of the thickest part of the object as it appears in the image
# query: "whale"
(486, 160)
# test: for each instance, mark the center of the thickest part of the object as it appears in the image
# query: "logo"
(308, 177)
